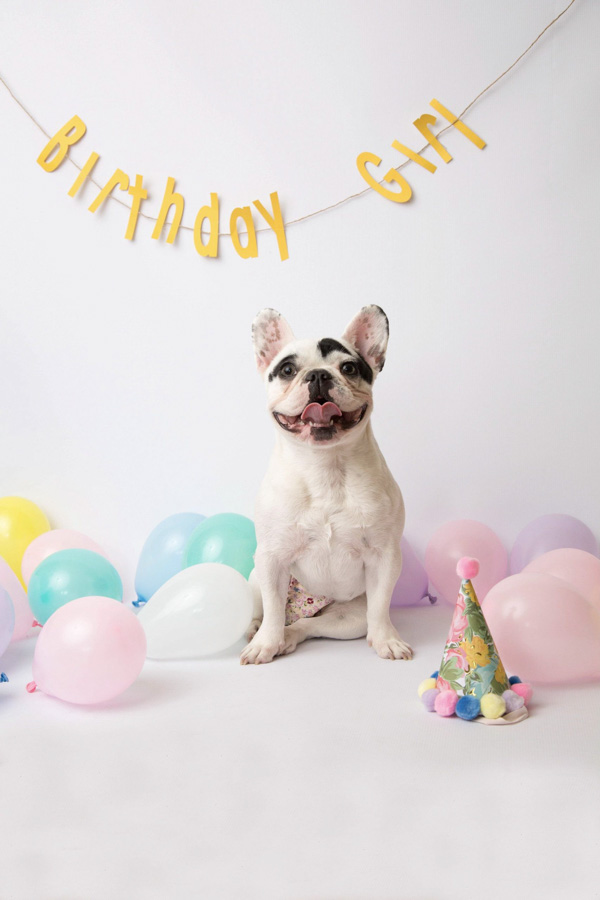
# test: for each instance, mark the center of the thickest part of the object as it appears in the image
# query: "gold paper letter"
(117, 178)
(212, 214)
(458, 124)
(91, 162)
(414, 156)
(169, 199)
(401, 196)
(423, 123)
(275, 222)
(139, 193)
(61, 142)
(250, 249)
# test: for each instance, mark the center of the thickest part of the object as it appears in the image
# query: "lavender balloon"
(7, 620)
(412, 586)
(552, 532)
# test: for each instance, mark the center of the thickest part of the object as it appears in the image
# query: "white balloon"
(201, 610)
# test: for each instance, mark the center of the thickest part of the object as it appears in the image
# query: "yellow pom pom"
(426, 686)
(492, 706)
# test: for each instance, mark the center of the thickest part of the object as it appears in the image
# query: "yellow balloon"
(20, 522)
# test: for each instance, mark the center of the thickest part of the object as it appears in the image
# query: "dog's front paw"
(389, 645)
(254, 626)
(261, 649)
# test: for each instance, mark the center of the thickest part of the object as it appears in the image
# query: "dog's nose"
(319, 383)
(318, 375)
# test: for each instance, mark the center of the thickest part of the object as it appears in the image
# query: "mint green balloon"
(225, 538)
(67, 575)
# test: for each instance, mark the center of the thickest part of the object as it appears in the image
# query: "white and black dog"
(329, 515)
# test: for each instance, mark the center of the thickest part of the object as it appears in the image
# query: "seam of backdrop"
(331, 206)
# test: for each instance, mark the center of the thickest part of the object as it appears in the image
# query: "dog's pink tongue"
(320, 415)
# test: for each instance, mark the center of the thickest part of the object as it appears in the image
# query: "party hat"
(471, 680)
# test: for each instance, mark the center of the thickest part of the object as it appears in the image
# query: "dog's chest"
(329, 530)
(336, 535)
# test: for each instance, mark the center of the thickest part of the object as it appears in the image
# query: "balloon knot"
(139, 602)
(431, 598)
(31, 687)
(3, 676)
(36, 624)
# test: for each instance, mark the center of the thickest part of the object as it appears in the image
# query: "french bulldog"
(329, 515)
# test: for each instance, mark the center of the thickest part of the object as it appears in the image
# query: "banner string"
(331, 206)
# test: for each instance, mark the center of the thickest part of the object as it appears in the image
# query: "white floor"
(318, 776)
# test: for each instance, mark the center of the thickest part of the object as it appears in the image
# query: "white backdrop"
(128, 383)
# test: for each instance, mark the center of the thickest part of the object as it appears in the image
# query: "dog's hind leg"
(342, 620)
(257, 606)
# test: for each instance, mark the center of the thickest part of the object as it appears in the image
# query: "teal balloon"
(225, 538)
(67, 575)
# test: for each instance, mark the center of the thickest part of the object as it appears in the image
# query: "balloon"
(67, 575)
(20, 522)
(14, 589)
(454, 540)
(413, 584)
(51, 542)
(7, 620)
(162, 554)
(580, 569)
(89, 651)
(201, 610)
(225, 538)
(544, 630)
(552, 532)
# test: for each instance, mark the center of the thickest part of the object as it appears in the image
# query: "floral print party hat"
(472, 682)
(471, 663)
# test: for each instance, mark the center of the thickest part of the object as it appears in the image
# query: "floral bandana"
(300, 604)
(471, 664)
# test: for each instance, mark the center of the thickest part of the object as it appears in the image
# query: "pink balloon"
(545, 631)
(580, 569)
(89, 651)
(454, 540)
(14, 589)
(52, 541)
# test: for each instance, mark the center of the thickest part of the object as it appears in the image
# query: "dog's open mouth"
(324, 419)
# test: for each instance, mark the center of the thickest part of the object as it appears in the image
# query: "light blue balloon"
(162, 554)
(7, 620)
(68, 575)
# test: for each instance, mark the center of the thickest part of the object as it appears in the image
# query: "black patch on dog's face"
(293, 359)
(328, 345)
(365, 370)
(324, 433)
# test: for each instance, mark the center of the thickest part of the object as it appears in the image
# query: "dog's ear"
(270, 334)
(368, 333)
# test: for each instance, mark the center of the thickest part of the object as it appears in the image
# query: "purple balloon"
(412, 586)
(7, 620)
(552, 532)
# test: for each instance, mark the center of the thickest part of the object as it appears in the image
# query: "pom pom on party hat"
(471, 667)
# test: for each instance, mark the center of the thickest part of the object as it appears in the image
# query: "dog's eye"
(348, 368)
(288, 371)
